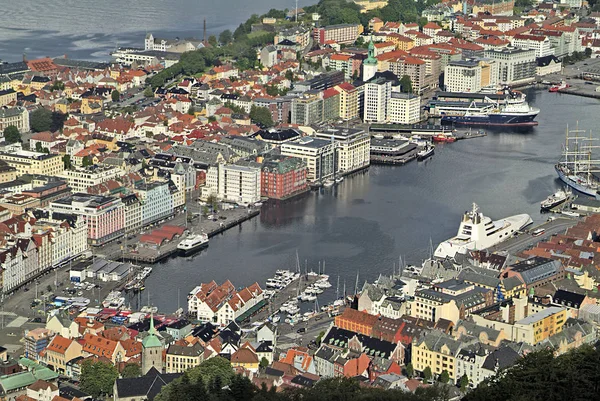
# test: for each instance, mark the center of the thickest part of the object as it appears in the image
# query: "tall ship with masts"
(577, 166)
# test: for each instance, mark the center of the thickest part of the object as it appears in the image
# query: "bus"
(538, 232)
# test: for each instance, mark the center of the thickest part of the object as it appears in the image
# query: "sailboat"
(577, 167)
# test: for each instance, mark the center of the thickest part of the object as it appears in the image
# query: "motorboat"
(192, 243)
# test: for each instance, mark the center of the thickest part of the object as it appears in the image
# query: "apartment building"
(180, 358)
(318, 154)
(283, 178)
(404, 108)
(307, 109)
(463, 76)
(353, 147)
(16, 116)
(82, 178)
(239, 183)
(342, 33)
(28, 162)
(514, 65)
(156, 200)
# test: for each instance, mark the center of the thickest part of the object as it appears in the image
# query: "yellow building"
(348, 101)
(437, 351)
(60, 351)
(539, 326)
(181, 358)
(368, 5)
(7, 172)
(7, 96)
(375, 24)
(91, 105)
(402, 42)
(245, 358)
(27, 162)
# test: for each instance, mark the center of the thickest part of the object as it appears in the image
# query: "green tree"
(211, 369)
(464, 383)
(444, 377)
(98, 378)
(148, 92)
(131, 370)
(67, 162)
(241, 388)
(225, 37)
(261, 116)
(191, 111)
(38, 147)
(86, 161)
(406, 84)
(264, 362)
(212, 40)
(57, 85)
(320, 338)
(115, 95)
(427, 375)
(289, 74)
(12, 134)
(40, 120)
(410, 371)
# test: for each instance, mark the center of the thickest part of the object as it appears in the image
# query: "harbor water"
(370, 219)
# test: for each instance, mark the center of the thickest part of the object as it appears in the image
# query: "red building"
(283, 178)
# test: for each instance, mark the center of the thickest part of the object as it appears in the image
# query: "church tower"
(370, 64)
(152, 350)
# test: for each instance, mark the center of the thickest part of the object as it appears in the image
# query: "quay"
(150, 255)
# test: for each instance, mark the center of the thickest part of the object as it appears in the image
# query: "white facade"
(404, 108)
(353, 148)
(514, 65)
(83, 178)
(19, 264)
(541, 44)
(463, 76)
(318, 154)
(157, 202)
(239, 183)
(377, 92)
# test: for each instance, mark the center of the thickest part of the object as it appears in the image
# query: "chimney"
(24, 57)
(204, 37)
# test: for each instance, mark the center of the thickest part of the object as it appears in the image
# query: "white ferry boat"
(478, 232)
(192, 243)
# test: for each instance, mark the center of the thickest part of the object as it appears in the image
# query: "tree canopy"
(131, 370)
(98, 378)
(12, 134)
(261, 116)
(406, 84)
(40, 120)
(115, 95)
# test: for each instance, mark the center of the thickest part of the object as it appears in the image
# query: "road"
(525, 240)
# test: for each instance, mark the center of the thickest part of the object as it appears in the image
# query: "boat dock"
(564, 206)
(150, 255)
(394, 160)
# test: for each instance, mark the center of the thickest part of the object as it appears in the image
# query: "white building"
(353, 147)
(318, 154)
(19, 263)
(377, 91)
(541, 44)
(514, 65)
(404, 108)
(463, 76)
(82, 178)
(156, 200)
(239, 303)
(239, 183)
(17, 116)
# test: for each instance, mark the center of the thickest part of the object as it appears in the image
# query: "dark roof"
(205, 332)
(501, 358)
(303, 381)
(69, 392)
(546, 60)
(278, 135)
(568, 298)
(148, 385)
(179, 324)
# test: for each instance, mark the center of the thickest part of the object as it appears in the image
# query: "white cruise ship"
(477, 232)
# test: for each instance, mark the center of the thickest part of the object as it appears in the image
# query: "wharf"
(463, 134)
(210, 227)
(395, 160)
(410, 129)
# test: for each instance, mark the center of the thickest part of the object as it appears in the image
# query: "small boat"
(426, 152)
(556, 88)
(329, 183)
(554, 200)
(444, 138)
(571, 214)
(339, 179)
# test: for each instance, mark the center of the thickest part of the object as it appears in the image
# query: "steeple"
(370, 63)
(371, 59)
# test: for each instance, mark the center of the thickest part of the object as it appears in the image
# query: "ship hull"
(189, 251)
(493, 120)
(575, 185)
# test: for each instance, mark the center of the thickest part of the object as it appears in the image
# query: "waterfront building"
(28, 162)
(548, 65)
(342, 33)
(463, 76)
(283, 178)
(63, 326)
(103, 215)
(132, 213)
(514, 65)
(348, 101)
(205, 300)
(180, 358)
(238, 183)
(82, 178)
(404, 108)
(307, 109)
(318, 154)
(156, 200)
(239, 304)
(353, 147)
(539, 43)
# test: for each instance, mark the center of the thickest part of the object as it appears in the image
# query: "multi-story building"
(298, 35)
(463, 76)
(437, 351)
(342, 62)
(7, 96)
(35, 341)
(535, 272)
(540, 43)
(82, 178)
(377, 91)
(16, 116)
(331, 104)
(59, 352)
(348, 101)
(103, 215)
(28, 162)
(240, 304)
(19, 263)
(404, 108)
(132, 213)
(156, 200)
(353, 147)
(240, 182)
(536, 328)
(342, 34)
(318, 154)
(68, 235)
(307, 109)
(414, 68)
(180, 358)
(283, 178)
(514, 65)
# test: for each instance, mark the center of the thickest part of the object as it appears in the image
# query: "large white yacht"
(478, 232)
(192, 243)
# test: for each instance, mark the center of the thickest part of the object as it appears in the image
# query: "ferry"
(477, 232)
(509, 114)
(192, 243)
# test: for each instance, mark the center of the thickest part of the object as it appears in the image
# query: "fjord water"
(365, 223)
(90, 29)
